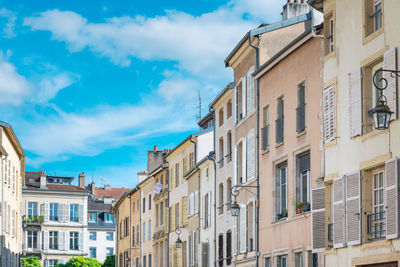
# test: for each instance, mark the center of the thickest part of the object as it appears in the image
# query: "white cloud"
(11, 17)
(198, 43)
(49, 87)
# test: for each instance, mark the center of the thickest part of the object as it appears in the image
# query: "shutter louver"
(184, 210)
(209, 208)
(80, 241)
(66, 240)
(46, 240)
(355, 103)
(61, 218)
(66, 212)
(390, 63)
(243, 229)
(251, 155)
(196, 202)
(328, 99)
(318, 218)
(235, 236)
(46, 212)
(244, 161)
(172, 209)
(392, 198)
(61, 240)
(80, 212)
(250, 90)
(353, 208)
(339, 212)
(235, 165)
(244, 97)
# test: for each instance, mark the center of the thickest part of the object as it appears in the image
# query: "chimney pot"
(155, 147)
(81, 181)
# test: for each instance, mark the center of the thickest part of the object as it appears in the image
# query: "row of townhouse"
(292, 166)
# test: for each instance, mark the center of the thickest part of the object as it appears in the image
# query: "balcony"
(376, 226)
(32, 223)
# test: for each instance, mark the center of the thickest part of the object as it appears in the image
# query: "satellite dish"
(157, 188)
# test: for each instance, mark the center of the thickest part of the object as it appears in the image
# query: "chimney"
(155, 147)
(43, 178)
(141, 176)
(293, 9)
(92, 186)
(82, 180)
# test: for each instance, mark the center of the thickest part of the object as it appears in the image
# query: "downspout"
(257, 154)
(169, 219)
(2, 208)
(140, 227)
(195, 149)
(211, 157)
(130, 230)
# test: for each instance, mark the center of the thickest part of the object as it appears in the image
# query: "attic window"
(31, 180)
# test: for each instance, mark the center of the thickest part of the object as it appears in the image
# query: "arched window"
(221, 152)
(229, 109)
(229, 248)
(250, 227)
(221, 116)
(221, 199)
(220, 250)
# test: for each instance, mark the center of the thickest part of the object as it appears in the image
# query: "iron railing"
(330, 232)
(301, 118)
(265, 137)
(229, 157)
(221, 162)
(376, 225)
(279, 130)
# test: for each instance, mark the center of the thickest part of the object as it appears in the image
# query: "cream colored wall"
(11, 197)
(123, 244)
(145, 190)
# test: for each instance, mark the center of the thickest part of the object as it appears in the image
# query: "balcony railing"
(301, 118)
(279, 130)
(32, 222)
(376, 225)
(265, 137)
(221, 162)
(330, 232)
(229, 157)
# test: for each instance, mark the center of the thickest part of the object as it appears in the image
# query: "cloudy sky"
(92, 85)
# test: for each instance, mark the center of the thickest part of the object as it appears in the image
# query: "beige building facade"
(12, 168)
(360, 215)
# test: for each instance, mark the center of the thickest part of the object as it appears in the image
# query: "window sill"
(279, 144)
(264, 151)
(330, 55)
(301, 134)
(372, 134)
(372, 36)
(281, 220)
(245, 118)
(330, 143)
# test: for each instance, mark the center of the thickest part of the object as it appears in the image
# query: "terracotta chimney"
(82, 180)
(43, 178)
(155, 147)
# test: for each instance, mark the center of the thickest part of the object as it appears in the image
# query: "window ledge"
(264, 151)
(279, 144)
(282, 220)
(330, 143)
(372, 36)
(301, 134)
(372, 134)
(245, 118)
(330, 55)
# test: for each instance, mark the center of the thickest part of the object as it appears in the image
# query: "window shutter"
(328, 99)
(339, 212)
(184, 210)
(61, 240)
(66, 240)
(253, 234)
(244, 161)
(244, 97)
(172, 177)
(318, 218)
(46, 263)
(353, 208)
(250, 90)
(61, 217)
(172, 212)
(390, 63)
(355, 103)
(80, 240)
(46, 240)
(391, 198)
(46, 211)
(251, 154)
(26, 208)
(196, 202)
(209, 207)
(66, 212)
(80, 212)
(235, 164)
(242, 229)
(235, 107)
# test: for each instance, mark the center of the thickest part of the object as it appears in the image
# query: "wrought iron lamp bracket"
(383, 81)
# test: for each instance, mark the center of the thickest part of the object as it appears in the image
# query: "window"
(110, 235)
(220, 199)
(220, 250)
(92, 235)
(32, 209)
(144, 204)
(137, 234)
(110, 251)
(301, 108)
(93, 252)
(149, 260)
(329, 45)
(161, 213)
(377, 15)
(221, 116)
(144, 232)
(265, 129)
(378, 204)
(251, 227)
(149, 202)
(229, 147)
(53, 212)
(240, 102)
(229, 109)
(53, 240)
(281, 191)
(133, 235)
(373, 16)
(144, 261)
(149, 230)
(206, 211)
(32, 239)
(177, 175)
(279, 121)
(298, 259)
(52, 263)
(191, 160)
(267, 262)
(221, 153)
(73, 213)
(228, 193)
(281, 261)
(73, 240)
(328, 102)
(109, 218)
(177, 215)
(228, 248)
(303, 178)
(156, 215)
(92, 217)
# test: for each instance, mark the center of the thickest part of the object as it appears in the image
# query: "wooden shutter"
(80, 212)
(390, 63)
(353, 208)
(244, 97)
(46, 211)
(250, 156)
(61, 217)
(80, 237)
(243, 229)
(339, 214)
(391, 198)
(318, 218)
(66, 212)
(328, 99)
(355, 103)
(244, 160)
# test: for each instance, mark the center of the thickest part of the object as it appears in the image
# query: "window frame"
(92, 236)
(73, 208)
(95, 216)
(53, 211)
(74, 240)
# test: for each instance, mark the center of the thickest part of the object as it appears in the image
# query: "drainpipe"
(257, 154)
(195, 149)
(130, 229)
(169, 220)
(3, 244)
(140, 227)
(211, 157)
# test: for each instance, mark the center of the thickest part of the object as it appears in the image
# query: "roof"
(228, 87)
(304, 36)
(280, 24)
(317, 4)
(205, 118)
(180, 144)
(98, 205)
(13, 137)
(54, 187)
(112, 192)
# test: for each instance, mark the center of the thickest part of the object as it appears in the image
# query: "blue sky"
(92, 85)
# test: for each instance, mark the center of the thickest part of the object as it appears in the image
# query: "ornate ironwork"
(382, 80)
(235, 189)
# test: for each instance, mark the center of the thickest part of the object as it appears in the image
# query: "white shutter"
(250, 90)
(46, 211)
(81, 240)
(66, 240)
(39, 240)
(26, 208)
(196, 202)
(66, 211)
(328, 99)
(46, 263)
(244, 97)
(339, 212)
(392, 198)
(235, 107)
(254, 224)
(243, 229)
(250, 156)
(80, 212)
(318, 218)
(355, 103)
(353, 208)
(390, 63)
(61, 242)
(203, 210)
(235, 236)
(209, 207)
(244, 160)
(25, 244)
(235, 165)
(46, 240)
(61, 213)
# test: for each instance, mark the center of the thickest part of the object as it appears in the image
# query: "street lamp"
(178, 242)
(381, 112)
(235, 208)
(235, 192)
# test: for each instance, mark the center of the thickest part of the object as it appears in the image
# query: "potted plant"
(306, 206)
(278, 216)
(284, 213)
(298, 209)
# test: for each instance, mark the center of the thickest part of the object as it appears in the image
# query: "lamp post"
(235, 192)
(381, 112)
(178, 242)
